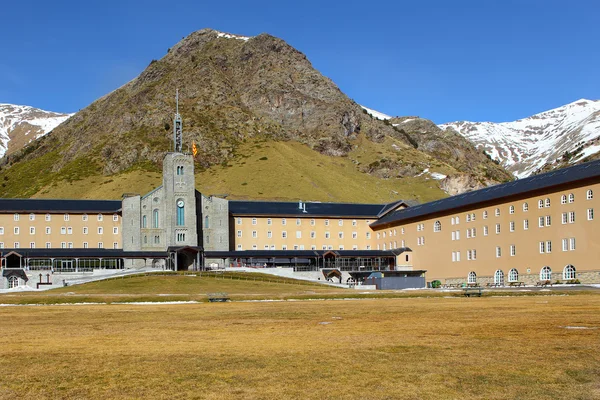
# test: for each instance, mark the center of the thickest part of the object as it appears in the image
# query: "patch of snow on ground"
(231, 36)
(437, 176)
(376, 114)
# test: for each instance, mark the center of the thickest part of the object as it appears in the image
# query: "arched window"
(499, 277)
(145, 239)
(546, 274)
(437, 226)
(547, 202)
(569, 272)
(13, 282)
(485, 215)
(563, 199)
(571, 197)
(206, 225)
(180, 170)
(525, 207)
(144, 222)
(384, 246)
(511, 209)
(540, 203)
(472, 278)
(155, 219)
(180, 213)
(497, 212)
(513, 275)
(590, 194)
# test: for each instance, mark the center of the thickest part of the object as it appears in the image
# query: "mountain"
(19, 125)
(238, 97)
(548, 140)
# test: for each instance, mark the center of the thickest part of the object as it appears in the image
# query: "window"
(115, 217)
(63, 230)
(16, 230)
(457, 235)
(453, 235)
(497, 212)
(269, 221)
(485, 215)
(468, 233)
(179, 170)
(100, 245)
(525, 224)
(511, 210)
(48, 245)
(542, 247)
(32, 245)
(498, 252)
(100, 230)
(525, 207)
(565, 244)
(16, 245)
(284, 234)
(368, 235)
(572, 243)
(180, 237)
(513, 275)
(70, 245)
(453, 256)
(48, 230)
(155, 219)
(572, 217)
(340, 235)
(590, 214)
(16, 217)
(354, 235)
(548, 220)
(283, 221)
(512, 226)
(513, 250)
(546, 274)
(458, 256)
(590, 194)
(353, 222)
(69, 230)
(563, 199)
(437, 226)
(115, 245)
(1, 230)
(485, 230)
(298, 221)
(32, 230)
(564, 218)
(157, 239)
(457, 220)
(327, 235)
(473, 217)
(340, 222)
(468, 217)
(100, 217)
(497, 228)
(253, 221)
(85, 230)
(298, 234)
(269, 234)
(180, 212)
(13, 282)
(452, 221)
(468, 255)
(239, 247)
(541, 222)
(144, 222)
(548, 246)
(48, 217)
(569, 272)
(238, 221)
(540, 203)
(499, 277)
(547, 204)
(32, 217)
(473, 232)
(326, 222)
(239, 233)
(571, 197)
(472, 277)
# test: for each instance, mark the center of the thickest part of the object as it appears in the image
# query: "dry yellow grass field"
(413, 348)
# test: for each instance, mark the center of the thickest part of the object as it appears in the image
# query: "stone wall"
(585, 277)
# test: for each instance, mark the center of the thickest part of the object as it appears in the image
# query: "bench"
(543, 283)
(490, 284)
(472, 291)
(518, 283)
(218, 297)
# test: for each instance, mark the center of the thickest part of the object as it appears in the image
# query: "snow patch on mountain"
(26, 121)
(376, 114)
(232, 36)
(525, 145)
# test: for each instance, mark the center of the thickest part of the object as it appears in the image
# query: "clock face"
(180, 203)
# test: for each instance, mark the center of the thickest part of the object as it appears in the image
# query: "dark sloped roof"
(279, 208)
(59, 206)
(92, 253)
(519, 187)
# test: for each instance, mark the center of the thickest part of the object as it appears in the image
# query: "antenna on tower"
(177, 126)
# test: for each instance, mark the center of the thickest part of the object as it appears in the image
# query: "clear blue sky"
(443, 60)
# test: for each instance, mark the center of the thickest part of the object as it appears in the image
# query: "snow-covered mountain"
(19, 125)
(560, 136)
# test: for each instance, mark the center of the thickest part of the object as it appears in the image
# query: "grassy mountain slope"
(233, 94)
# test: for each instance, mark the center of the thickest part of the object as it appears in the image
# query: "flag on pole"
(194, 149)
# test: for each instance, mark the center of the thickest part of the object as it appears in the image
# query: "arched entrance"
(188, 258)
